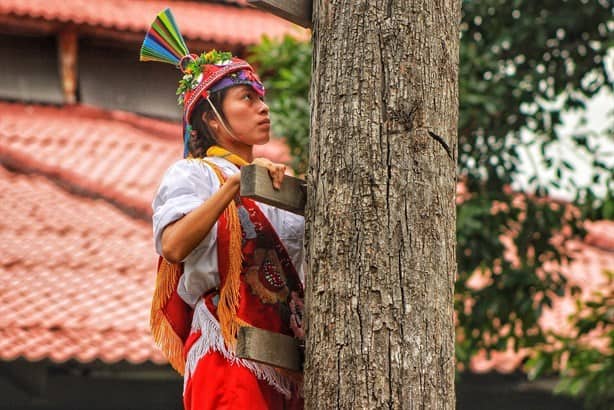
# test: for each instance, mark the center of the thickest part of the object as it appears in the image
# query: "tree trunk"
(381, 205)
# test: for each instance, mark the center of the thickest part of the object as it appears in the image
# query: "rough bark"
(381, 205)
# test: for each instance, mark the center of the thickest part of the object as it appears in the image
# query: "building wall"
(113, 78)
(109, 75)
(509, 392)
(29, 69)
(41, 386)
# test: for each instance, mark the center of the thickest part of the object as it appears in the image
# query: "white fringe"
(211, 339)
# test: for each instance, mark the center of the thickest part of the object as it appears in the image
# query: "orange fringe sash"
(167, 331)
(170, 317)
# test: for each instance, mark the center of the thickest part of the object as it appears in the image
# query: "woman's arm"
(181, 237)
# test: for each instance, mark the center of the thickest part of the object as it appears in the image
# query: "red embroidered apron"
(268, 282)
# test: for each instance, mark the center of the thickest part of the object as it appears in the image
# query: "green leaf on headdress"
(196, 67)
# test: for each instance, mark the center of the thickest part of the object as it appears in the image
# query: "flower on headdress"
(195, 68)
(215, 57)
(209, 57)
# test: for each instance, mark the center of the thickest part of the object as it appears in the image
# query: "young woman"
(226, 261)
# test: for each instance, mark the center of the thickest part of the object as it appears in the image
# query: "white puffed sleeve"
(184, 187)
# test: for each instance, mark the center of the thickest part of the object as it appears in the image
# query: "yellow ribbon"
(229, 294)
(217, 151)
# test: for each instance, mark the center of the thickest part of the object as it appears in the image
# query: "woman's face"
(247, 116)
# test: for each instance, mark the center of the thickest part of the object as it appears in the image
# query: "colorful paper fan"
(163, 41)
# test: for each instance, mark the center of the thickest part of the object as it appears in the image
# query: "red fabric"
(252, 308)
(268, 281)
(219, 385)
(177, 312)
(261, 315)
(211, 74)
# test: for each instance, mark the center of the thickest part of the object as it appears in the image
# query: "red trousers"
(216, 384)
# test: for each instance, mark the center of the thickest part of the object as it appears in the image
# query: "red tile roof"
(592, 258)
(197, 20)
(76, 276)
(117, 156)
(242, 3)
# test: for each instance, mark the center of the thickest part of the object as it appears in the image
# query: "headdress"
(209, 72)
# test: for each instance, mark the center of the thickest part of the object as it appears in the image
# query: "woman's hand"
(276, 171)
(182, 236)
(296, 316)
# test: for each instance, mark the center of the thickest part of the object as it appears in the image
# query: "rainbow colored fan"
(163, 41)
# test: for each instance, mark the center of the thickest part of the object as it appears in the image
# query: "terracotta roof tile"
(601, 235)
(90, 150)
(117, 155)
(586, 271)
(202, 21)
(76, 276)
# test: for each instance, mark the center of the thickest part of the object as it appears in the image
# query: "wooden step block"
(269, 348)
(256, 184)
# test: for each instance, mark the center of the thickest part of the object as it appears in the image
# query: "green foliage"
(586, 364)
(195, 68)
(507, 308)
(597, 208)
(523, 64)
(285, 69)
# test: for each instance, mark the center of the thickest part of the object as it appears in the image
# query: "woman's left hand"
(296, 316)
(276, 171)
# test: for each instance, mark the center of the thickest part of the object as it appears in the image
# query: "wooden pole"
(380, 219)
(67, 50)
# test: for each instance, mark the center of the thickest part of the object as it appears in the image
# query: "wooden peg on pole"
(256, 184)
(296, 11)
(273, 349)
